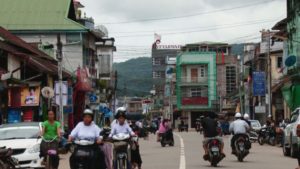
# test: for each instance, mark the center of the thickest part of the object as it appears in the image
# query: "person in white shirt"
(121, 126)
(238, 127)
(89, 131)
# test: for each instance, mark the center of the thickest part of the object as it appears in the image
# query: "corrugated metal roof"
(37, 15)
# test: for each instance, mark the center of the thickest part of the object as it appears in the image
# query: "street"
(156, 157)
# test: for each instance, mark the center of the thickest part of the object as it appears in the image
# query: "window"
(156, 61)
(195, 49)
(72, 37)
(279, 62)
(230, 79)
(158, 74)
(202, 71)
(196, 92)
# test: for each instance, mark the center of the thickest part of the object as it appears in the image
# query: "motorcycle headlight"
(34, 149)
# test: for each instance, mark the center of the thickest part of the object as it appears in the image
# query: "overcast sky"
(134, 22)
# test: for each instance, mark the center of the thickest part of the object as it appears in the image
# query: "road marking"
(182, 154)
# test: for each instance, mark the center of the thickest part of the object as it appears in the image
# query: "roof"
(32, 15)
(32, 55)
(12, 39)
(281, 25)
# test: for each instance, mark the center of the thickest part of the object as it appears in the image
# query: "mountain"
(134, 77)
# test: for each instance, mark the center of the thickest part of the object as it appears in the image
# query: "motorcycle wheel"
(48, 163)
(171, 143)
(260, 140)
(272, 141)
(213, 163)
(240, 158)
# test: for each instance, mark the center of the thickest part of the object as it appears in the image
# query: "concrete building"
(196, 84)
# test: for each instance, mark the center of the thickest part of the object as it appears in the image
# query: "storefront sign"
(161, 47)
(26, 96)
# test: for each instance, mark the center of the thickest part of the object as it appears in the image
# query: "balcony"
(201, 101)
(194, 81)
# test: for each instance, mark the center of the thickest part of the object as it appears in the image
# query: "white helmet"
(88, 112)
(246, 116)
(238, 115)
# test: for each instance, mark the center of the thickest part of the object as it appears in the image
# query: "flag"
(157, 38)
(223, 58)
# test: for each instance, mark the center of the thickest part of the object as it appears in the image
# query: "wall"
(276, 75)
(105, 57)
(187, 76)
(72, 53)
(13, 63)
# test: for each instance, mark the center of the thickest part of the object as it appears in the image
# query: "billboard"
(25, 96)
(259, 83)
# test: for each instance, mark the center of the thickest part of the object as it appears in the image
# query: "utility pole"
(269, 75)
(60, 58)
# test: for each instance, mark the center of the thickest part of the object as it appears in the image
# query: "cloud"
(218, 25)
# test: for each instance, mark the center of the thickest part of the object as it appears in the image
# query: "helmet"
(121, 112)
(88, 112)
(238, 115)
(246, 116)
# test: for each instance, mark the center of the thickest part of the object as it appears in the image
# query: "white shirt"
(239, 127)
(117, 128)
(83, 132)
(115, 121)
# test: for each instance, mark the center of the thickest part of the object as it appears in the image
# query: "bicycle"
(52, 158)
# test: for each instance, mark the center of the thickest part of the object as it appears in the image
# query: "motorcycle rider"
(121, 126)
(163, 128)
(246, 118)
(210, 132)
(88, 130)
(239, 128)
(51, 130)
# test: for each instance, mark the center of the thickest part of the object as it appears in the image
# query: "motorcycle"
(167, 138)
(241, 148)
(84, 155)
(214, 152)
(253, 136)
(266, 135)
(121, 151)
(6, 160)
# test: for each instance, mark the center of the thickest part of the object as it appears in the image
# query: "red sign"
(194, 101)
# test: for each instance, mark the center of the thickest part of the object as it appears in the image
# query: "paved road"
(190, 156)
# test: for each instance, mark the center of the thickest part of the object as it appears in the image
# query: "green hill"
(134, 77)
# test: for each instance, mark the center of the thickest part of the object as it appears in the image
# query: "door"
(194, 75)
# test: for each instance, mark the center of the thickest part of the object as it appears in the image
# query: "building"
(40, 25)
(162, 56)
(24, 71)
(227, 71)
(196, 84)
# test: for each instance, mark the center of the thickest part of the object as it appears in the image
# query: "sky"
(133, 22)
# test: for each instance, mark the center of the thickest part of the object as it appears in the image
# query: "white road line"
(182, 154)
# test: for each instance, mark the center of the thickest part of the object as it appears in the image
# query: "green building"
(196, 84)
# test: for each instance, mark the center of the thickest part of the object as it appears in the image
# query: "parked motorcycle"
(241, 147)
(214, 147)
(6, 160)
(167, 138)
(253, 136)
(267, 135)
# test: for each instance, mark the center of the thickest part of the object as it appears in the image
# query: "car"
(290, 138)
(255, 125)
(24, 140)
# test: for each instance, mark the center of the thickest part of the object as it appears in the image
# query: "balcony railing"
(194, 101)
(194, 80)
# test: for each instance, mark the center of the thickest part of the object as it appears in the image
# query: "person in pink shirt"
(163, 127)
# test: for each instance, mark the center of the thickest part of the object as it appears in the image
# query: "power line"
(191, 15)
(205, 27)
(194, 31)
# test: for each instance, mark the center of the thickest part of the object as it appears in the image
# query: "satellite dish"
(102, 29)
(48, 92)
(290, 61)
